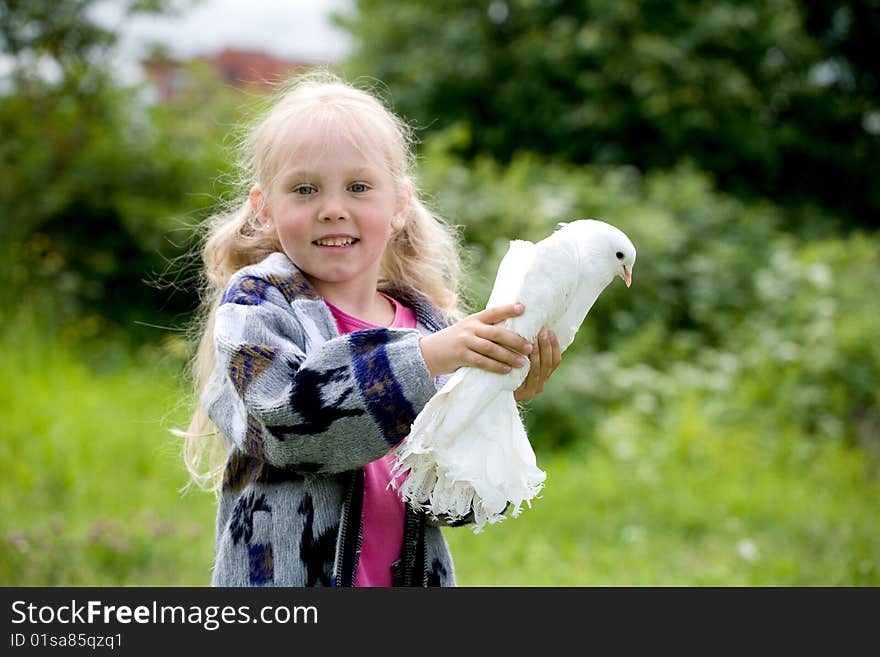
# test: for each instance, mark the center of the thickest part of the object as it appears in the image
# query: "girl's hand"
(545, 358)
(475, 341)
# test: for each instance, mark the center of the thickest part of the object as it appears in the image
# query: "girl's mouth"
(339, 242)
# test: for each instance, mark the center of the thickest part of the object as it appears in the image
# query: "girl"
(332, 302)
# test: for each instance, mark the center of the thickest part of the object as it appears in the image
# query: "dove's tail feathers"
(485, 466)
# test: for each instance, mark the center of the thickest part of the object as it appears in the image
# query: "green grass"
(695, 505)
(91, 488)
(92, 478)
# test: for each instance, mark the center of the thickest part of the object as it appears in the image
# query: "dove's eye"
(619, 255)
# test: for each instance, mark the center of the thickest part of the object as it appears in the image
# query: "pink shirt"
(382, 528)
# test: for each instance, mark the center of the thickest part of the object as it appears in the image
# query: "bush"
(763, 326)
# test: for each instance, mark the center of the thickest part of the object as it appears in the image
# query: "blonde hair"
(423, 254)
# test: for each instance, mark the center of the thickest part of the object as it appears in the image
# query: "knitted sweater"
(302, 410)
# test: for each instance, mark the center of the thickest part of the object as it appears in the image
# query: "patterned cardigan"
(302, 410)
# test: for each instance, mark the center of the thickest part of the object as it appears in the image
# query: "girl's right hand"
(475, 341)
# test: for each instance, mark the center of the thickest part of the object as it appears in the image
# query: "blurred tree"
(94, 177)
(777, 98)
(726, 307)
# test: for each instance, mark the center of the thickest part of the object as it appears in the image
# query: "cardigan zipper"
(424, 559)
(349, 554)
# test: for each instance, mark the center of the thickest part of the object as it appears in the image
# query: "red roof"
(253, 67)
(239, 68)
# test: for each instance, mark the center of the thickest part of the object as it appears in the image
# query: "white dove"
(468, 449)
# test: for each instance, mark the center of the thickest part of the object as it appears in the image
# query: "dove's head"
(607, 248)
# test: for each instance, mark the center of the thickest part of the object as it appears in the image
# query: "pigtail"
(232, 240)
(424, 254)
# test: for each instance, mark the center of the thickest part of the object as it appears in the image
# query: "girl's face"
(333, 211)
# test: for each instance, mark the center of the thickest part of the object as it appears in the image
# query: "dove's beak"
(626, 275)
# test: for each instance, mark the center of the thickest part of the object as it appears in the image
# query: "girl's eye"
(304, 190)
(359, 188)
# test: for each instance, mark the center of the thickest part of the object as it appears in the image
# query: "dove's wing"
(470, 387)
(548, 286)
(567, 324)
(511, 271)
(508, 283)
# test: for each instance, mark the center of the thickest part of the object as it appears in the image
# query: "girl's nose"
(333, 209)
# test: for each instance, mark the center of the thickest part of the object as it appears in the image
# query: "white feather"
(468, 450)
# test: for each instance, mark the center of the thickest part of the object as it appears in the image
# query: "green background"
(718, 423)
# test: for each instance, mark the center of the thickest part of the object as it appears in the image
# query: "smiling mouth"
(336, 242)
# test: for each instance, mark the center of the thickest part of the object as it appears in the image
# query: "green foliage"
(94, 231)
(722, 300)
(97, 182)
(777, 98)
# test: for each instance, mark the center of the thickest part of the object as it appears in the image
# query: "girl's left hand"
(545, 358)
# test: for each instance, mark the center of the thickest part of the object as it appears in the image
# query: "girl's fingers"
(497, 314)
(505, 337)
(543, 359)
(557, 350)
(498, 353)
(489, 364)
(546, 356)
(545, 347)
(535, 358)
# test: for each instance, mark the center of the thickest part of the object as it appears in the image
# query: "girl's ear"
(260, 209)
(404, 199)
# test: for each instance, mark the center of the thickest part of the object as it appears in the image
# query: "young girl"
(331, 314)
